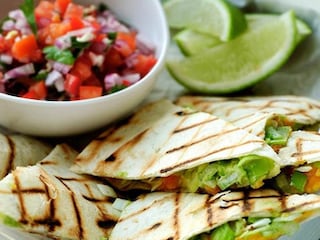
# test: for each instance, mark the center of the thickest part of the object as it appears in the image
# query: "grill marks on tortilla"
(207, 104)
(300, 154)
(10, 157)
(208, 154)
(49, 219)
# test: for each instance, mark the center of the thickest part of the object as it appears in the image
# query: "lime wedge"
(216, 17)
(303, 29)
(241, 62)
(192, 42)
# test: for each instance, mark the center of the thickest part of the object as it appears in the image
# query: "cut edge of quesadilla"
(49, 199)
(260, 214)
(163, 145)
(301, 172)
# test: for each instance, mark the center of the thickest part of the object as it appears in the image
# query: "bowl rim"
(164, 46)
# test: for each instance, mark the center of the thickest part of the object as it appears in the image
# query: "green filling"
(298, 180)
(277, 135)
(9, 221)
(290, 180)
(245, 171)
(245, 229)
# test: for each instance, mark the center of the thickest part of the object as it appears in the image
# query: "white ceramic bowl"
(53, 118)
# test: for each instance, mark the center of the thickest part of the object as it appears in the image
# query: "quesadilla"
(271, 117)
(49, 199)
(20, 150)
(259, 214)
(302, 160)
(166, 147)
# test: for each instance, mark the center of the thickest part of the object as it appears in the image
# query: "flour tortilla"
(179, 216)
(302, 148)
(20, 150)
(51, 200)
(252, 113)
(162, 139)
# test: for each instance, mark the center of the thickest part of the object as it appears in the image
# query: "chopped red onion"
(80, 32)
(112, 80)
(59, 84)
(132, 78)
(60, 67)
(63, 42)
(8, 25)
(16, 14)
(52, 77)
(20, 71)
(21, 22)
(6, 58)
(96, 59)
(131, 60)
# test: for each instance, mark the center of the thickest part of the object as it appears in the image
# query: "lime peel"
(241, 62)
(216, 17)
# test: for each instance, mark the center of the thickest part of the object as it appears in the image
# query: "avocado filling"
(250, 170)
(245, 171)
(251, 229)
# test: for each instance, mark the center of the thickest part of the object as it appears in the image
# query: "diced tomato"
(73, 10)
(72, 85)
(59, 29)
(170, 183)
(87, 92)
(76, 22)
(113, 60)
(50, 33)
(82, 68)
(5, 44)
(126, 43)
(143, 64)
(37, 91)
(92, 81)
(26, 49)
(61, 6)
(44, 12)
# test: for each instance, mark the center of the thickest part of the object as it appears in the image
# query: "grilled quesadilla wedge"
(302, 160)
(166, 147)
(49, 199)
(272, 118)
(20, 150)
(259, 214)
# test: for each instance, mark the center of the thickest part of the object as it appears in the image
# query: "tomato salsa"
(59, 50)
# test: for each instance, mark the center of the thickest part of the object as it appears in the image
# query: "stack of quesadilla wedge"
(49, 199)
(272, 118)
(166, 147)
(279, 116)
(253, 215)
(20, 150)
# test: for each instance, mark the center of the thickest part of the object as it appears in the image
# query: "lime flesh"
(215, 17)
(192, 42)
(241, 62)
